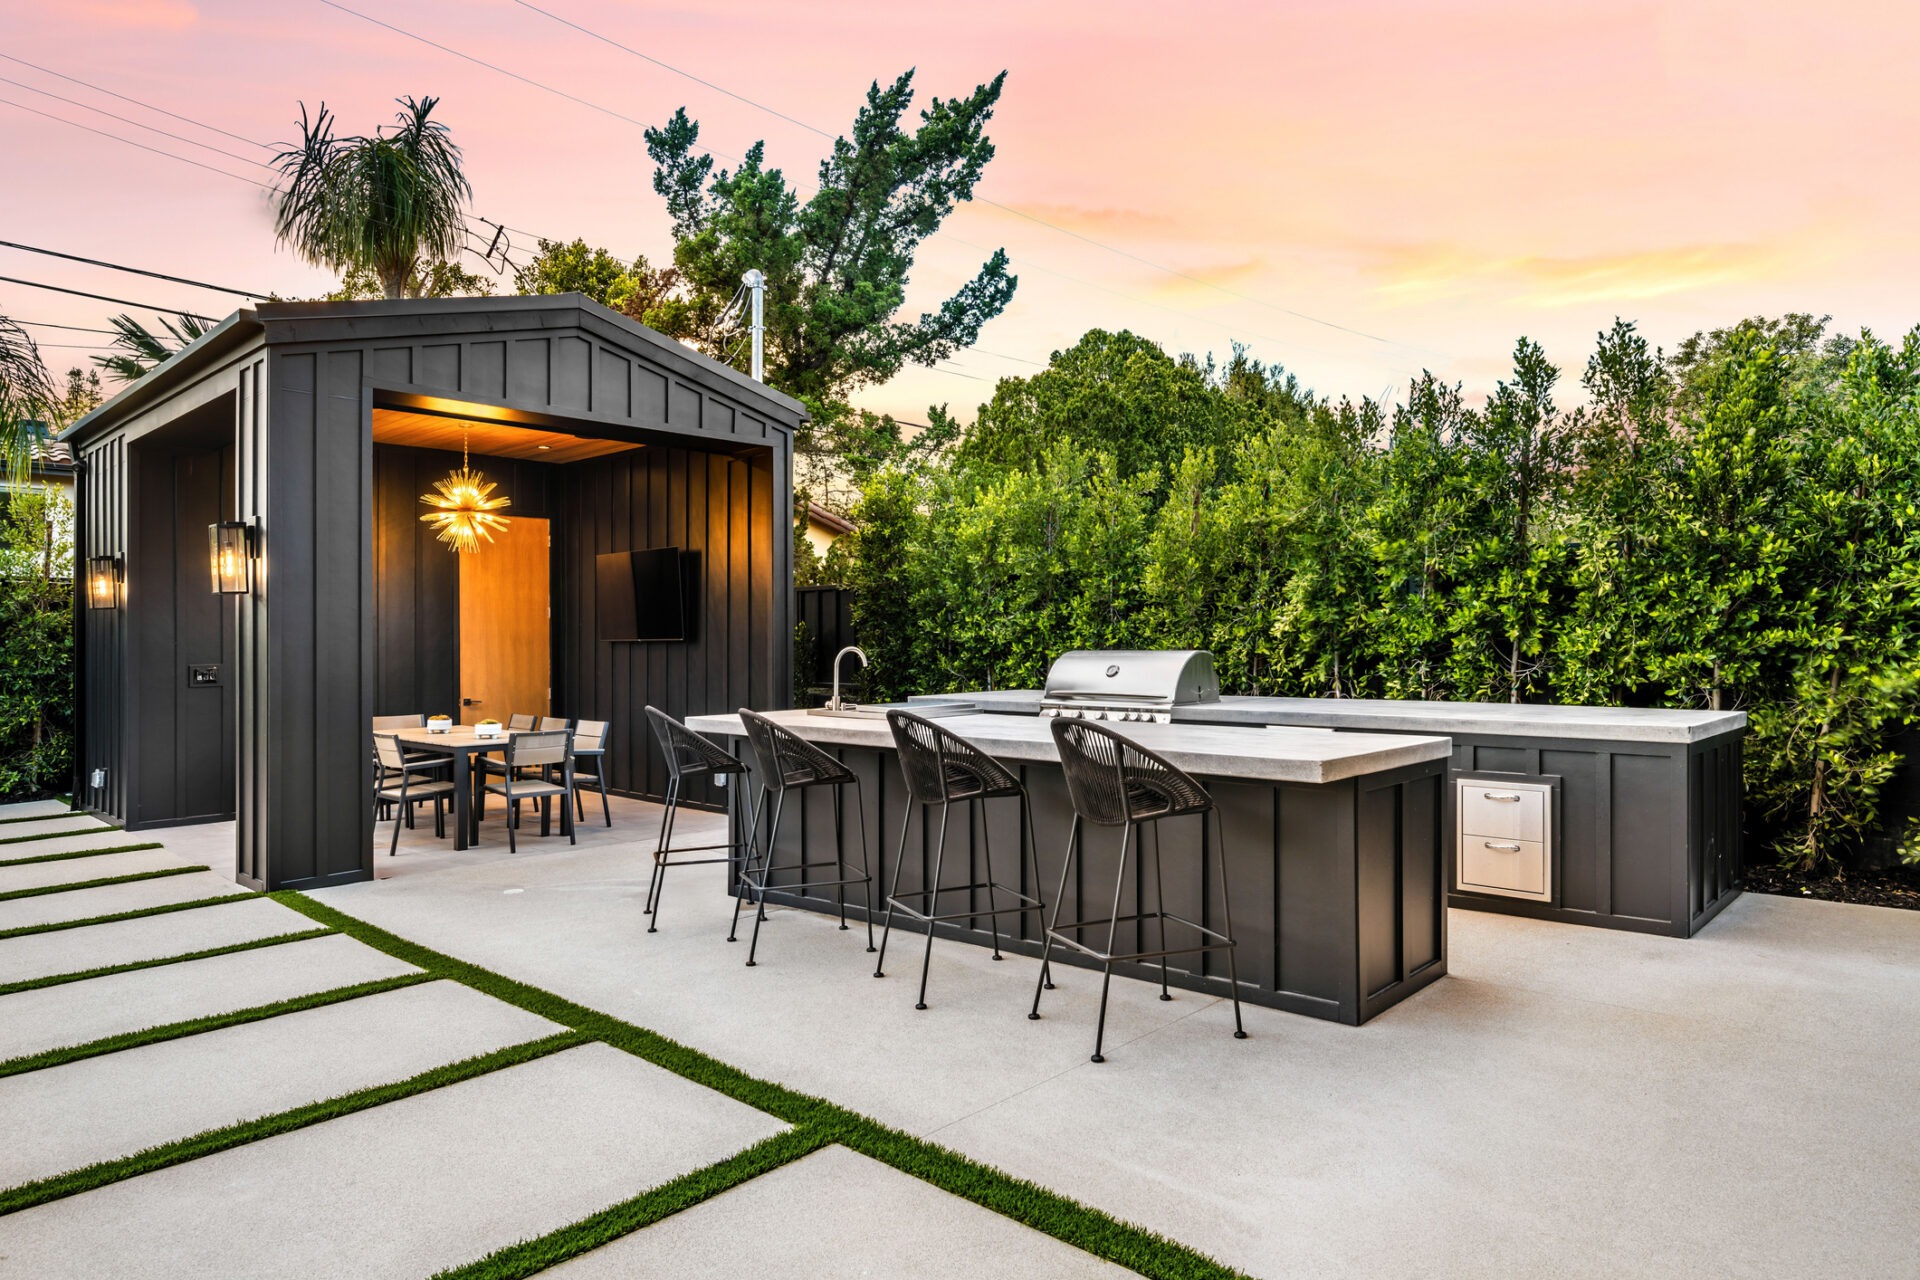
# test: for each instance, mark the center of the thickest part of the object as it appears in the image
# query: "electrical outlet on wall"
(203, 675)
(99, 779)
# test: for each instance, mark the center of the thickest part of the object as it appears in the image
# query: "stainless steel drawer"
(1515, 868)
(1508, 813)
(1503, 838)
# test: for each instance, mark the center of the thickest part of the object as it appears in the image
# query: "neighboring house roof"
(829, 521)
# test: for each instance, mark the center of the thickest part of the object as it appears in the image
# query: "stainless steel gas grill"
(1128, 684)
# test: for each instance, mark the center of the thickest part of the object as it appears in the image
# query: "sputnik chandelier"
(466, 508)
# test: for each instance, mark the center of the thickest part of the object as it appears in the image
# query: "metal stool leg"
(986, 854)
(840, 858)
(1046, 947)
(933, 904)
(1226, 913)
(899, 860)
(657, 881)
(1040, 915)
(866, 869)
(766, 865)
(1113, 924)
(746, 863)
(1160, 911)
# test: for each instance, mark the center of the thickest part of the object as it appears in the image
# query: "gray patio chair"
(590, 743)
(411, 788)
(412, 720)
(528, 756)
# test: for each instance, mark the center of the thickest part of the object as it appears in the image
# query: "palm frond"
(139, 350)
(26, 397)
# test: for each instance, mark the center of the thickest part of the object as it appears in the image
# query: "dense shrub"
(1733, 527)
(36, 645)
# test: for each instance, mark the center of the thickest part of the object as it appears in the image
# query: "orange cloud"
(1426, 272)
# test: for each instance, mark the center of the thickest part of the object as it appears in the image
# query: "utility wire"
(101, 297)
(721, 155)
(198, 124)
(48, 324)
(130, 142)
(114, 266)
(84, 106)
(995, 204)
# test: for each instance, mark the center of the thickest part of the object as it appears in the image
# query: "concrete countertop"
(1217, 751)
(1494, 719)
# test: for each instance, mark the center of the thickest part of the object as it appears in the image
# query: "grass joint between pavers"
(131, 966)
(79, 853)
(57, 835)
(816, 1122)
(197, 1026)
(136, 913)
(100, 883)
(89, 1177)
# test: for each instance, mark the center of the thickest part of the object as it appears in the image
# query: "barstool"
(689, 755)
(1115, 782)
(788, 762)
(942, 768)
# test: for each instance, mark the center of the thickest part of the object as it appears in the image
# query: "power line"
(114, 266)
(130, 142)
(48, 324)
(947, 236)
(111, 115)
(101, 297)
(995, 204)
(199, 124)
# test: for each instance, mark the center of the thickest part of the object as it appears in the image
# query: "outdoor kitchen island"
(1333, 848)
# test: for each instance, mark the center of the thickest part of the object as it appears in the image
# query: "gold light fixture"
(230, 556)
(466, 506)
(103, 582)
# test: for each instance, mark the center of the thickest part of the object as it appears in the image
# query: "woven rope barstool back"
(940, 766)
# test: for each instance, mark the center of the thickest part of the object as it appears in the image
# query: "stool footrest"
(1213, 939)
(899, 901)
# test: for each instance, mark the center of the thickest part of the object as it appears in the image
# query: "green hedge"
(36, 645)
(1730, 526)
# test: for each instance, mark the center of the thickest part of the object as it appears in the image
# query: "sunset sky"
(1354, 190)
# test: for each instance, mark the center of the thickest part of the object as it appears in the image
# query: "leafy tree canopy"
(635, 289)
(838, 263)
(438, 279)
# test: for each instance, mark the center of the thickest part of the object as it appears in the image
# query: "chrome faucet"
(834, 703)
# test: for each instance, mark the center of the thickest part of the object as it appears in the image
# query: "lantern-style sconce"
(103, 582)
(230, 544)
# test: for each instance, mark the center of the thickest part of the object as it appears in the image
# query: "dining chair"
(590, 743)
(393, 764)
(524, 778)
(519, 722)
(492, 767)
(411, 720)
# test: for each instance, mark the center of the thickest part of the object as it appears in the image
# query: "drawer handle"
(1503, 848)
(1504, 797)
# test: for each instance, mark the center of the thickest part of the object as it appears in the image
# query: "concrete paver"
(33, 809)
(82, 840)
(99, 946)
(841, 1214)
(75, 1013)
(110, 1106)
(41, 875)
(402, 1190)
(15, 835)
(83, 904)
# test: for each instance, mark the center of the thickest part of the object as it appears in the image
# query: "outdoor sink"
(878, 710)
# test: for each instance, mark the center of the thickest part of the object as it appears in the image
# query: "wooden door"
(505, 664)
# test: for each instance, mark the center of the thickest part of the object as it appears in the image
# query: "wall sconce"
(230, 544)
(103, 582)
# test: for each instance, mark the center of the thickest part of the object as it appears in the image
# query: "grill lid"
(1090, 681)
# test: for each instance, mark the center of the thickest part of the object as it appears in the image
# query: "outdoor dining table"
(461, 744)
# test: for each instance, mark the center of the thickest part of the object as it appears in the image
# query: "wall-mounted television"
(643, 595)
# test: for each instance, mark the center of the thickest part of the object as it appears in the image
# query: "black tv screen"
(641, 595)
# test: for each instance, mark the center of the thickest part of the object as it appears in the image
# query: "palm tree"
(26, 398)
(379, 203)
(140, 350)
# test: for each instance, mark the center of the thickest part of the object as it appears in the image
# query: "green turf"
(56, 835)
(79, 853)
(28, 1194)
(816, 1122)
(105, 971)
(21, 931)
(45, 817)
(99, 883)
(197, 1026)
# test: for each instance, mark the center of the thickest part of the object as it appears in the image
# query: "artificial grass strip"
(89, 1177)
(1062, 1217)
(80, 853)
(54, 926)
(107, 971)
(58, 835)
(197, 1026)
(100, 883)
(532, 1256)
(45, 817)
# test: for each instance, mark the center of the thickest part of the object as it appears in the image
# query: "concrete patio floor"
(1568, 1102)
